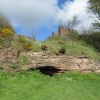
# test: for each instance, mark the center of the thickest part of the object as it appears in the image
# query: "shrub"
(62, 50)
(23, 60)
(56, 52)
(73, 36)
(25, 44)
(44, 47)
(4, 32)
(6, 36)
(92, 39)
(61, 42)
(5, 23)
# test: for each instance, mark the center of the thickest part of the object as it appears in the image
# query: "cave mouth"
(50, 70)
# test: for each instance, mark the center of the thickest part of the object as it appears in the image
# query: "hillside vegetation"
(72, 44)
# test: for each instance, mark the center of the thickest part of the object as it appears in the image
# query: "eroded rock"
(52, 64)
(61, 63)
(9, 54)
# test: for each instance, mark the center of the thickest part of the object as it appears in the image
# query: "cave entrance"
(50, 70)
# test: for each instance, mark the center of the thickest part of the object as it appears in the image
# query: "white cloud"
(35, 12)
(77, 7)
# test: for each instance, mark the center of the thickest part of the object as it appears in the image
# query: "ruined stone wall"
(54, 34)
(63, 30)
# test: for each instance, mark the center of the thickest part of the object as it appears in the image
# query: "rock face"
(9, 54)
(62, 63)
(52, 64)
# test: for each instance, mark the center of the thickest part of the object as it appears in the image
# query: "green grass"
(36, 86)
(76, 48)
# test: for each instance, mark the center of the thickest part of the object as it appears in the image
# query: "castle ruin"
(62, 31)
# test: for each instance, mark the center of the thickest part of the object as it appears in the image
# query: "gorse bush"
(25, 44)
(5, 23)
(6, 37)
(4, 32)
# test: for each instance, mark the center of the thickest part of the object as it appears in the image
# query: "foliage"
(23, 60)
(6, 36)
(92, 39)
(62, 50)
(72, 36)
(4, 32)
(44, 47)
(61, 42)
(94, 8)
(75, 48)
(25, 44)
(5, 23)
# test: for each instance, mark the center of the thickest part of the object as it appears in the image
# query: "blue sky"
(42, 17)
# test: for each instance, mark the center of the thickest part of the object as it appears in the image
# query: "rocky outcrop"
(9, 54)
(52, 64)
(61, 63)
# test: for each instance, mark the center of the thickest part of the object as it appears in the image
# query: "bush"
(6, 36)
(25, 44)
(61, 42)
(5, 23)
(92, 39)
(44, 47)
(73, 36)
(56, 52)
(4, 32)
(62, 50)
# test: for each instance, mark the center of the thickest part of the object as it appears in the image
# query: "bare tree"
(33, 34)
(84, 30)
(71, 24)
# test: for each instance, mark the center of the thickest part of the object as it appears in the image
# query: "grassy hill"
(32, 85)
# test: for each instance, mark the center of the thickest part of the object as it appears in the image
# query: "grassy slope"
(35, 86)
(73, 48)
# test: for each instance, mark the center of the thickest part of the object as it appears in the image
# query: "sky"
(40, 18)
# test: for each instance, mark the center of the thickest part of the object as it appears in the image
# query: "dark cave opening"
(50, 70)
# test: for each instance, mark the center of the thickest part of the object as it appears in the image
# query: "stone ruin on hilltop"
(62, 31)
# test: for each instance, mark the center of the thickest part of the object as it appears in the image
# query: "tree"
(71, 24)
(94, 8)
